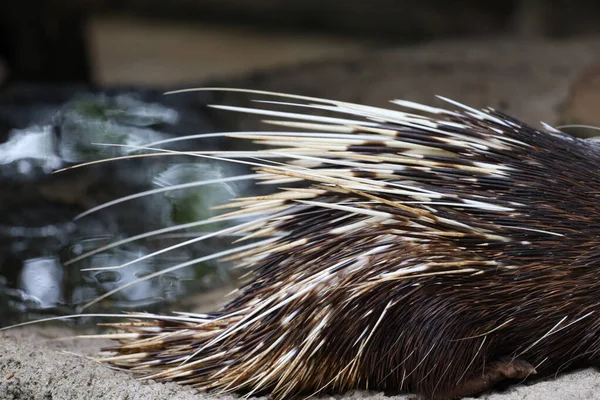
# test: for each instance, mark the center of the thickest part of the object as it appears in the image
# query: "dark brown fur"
(408, 299)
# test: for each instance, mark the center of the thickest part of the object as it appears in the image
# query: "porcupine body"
(434, 251)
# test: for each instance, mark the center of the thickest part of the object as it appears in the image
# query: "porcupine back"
(437, 253)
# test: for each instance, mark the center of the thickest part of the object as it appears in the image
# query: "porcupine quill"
(438, 252)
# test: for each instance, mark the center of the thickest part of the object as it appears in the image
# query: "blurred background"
(78, 72)
(154, 42)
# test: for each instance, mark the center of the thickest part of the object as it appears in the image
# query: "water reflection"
(29, 152)
(41, 281)
(39, 236)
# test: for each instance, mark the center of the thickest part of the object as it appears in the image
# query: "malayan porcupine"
(438, 253)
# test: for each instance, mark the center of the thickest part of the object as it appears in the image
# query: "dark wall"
(45, 40)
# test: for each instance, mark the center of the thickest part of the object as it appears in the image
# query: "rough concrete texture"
(530, 80)
(34, 367)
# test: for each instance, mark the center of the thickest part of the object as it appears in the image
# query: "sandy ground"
(33, 366)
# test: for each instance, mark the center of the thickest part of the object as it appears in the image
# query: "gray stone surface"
(33, 366)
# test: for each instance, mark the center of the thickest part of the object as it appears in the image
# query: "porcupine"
(437, 251)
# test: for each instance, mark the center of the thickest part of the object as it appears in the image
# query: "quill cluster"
(437, 251)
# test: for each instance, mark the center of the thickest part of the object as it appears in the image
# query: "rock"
(583, 104)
